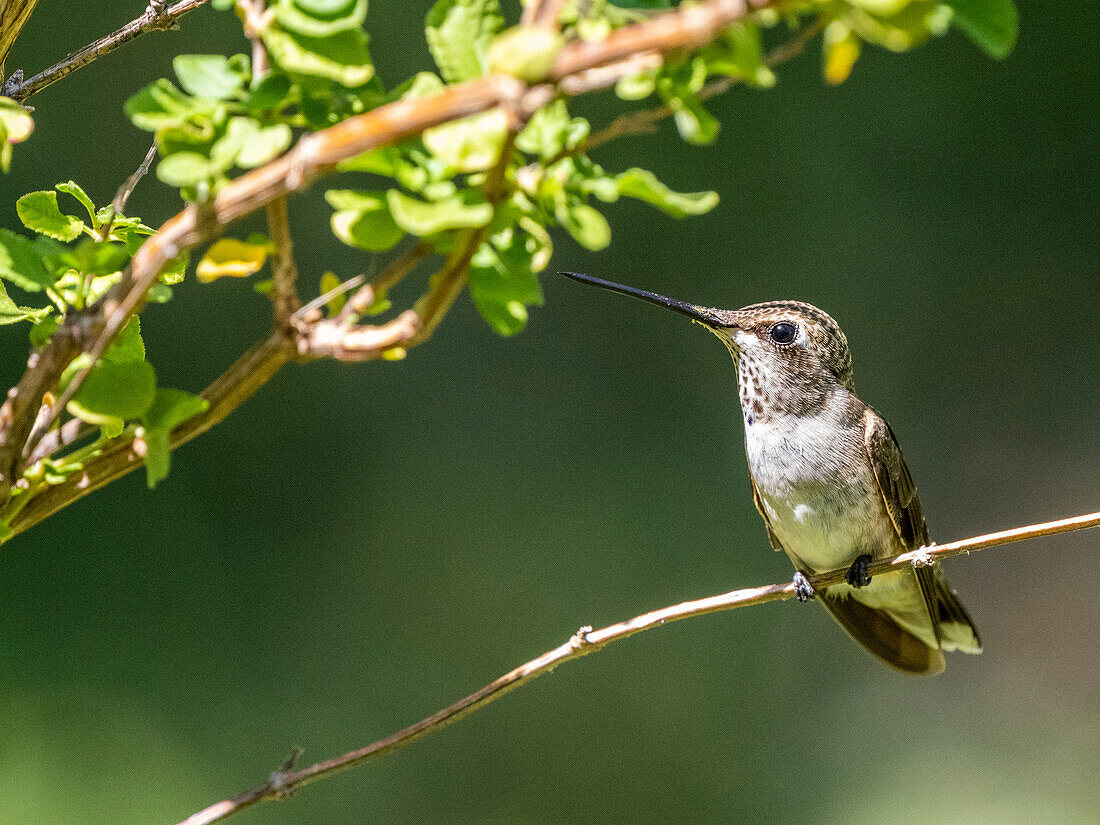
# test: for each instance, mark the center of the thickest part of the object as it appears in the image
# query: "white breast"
(816, 486)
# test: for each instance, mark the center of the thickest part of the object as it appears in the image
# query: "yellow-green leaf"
(230, 258)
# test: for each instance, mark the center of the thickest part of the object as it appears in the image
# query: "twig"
(122, 196)
(332, 338)
(155, 18)
(315, 155)
(255, 18)
(586, 640)
(284, 292)
(387, 279)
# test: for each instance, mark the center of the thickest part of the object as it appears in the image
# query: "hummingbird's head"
(788, 353)
(791, 341)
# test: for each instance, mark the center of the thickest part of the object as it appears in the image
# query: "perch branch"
(157, 17)
(586, 640)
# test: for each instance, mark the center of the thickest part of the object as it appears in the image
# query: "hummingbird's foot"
(803, 590)
(857, 574)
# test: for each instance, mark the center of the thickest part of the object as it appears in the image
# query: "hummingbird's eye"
(783, 333)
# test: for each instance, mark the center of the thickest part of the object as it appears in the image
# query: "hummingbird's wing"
(889, 631)
(772, 537)
(954, 627)
(899, 493)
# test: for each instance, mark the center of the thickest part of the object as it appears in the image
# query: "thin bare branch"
(387, 279)
(586, 640)
(157, 17)
(284, 291)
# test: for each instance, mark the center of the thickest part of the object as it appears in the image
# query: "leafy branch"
(484, 159)
(586, 640)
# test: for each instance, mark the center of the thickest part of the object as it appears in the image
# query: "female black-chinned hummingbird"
(829, 479)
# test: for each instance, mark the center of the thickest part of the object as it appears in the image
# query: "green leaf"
(15, 121)
(269, 92)
(587, 226)
(471, 144)
(170, 408)
(363, 219)
(264, 145)
(459, 33)
(320, 18)
(231, 258)
(502, 281)
(160, 105)
(740, 54)
(993, 24)
(39, 212)
(21, 262)
(16, 126)
(644, 186)
(551, 131)
(207, 75)
(114, 392)
(428, 217)
(186, 169)
(341, 57)
(695, 124)
(74, 189)
(12, 314)
(127, 346)
(526, 52)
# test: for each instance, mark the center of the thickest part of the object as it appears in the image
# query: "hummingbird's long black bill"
(704, 315)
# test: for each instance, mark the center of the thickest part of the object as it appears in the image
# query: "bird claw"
(803, 590)
(857, 575)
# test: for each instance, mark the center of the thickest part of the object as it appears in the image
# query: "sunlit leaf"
(21, 262)
(207, 75)
(115, 391)
(39, 212)
(427, 217)
(459, 33)
(231, 258)
(471, 144)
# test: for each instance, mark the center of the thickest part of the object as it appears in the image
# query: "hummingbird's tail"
(881, 635)
(910, 628)
(954, 627)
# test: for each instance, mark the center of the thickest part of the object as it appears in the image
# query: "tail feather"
(882, 636)
(953, 624)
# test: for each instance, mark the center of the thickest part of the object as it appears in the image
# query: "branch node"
(580, 638)
(922, 556)
(12, 84)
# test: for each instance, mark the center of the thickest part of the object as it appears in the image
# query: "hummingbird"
(829, 480)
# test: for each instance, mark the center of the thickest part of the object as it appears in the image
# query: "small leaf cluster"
(77, 253)
(435, 186)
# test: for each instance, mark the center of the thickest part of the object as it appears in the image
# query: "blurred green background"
(360, 545)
